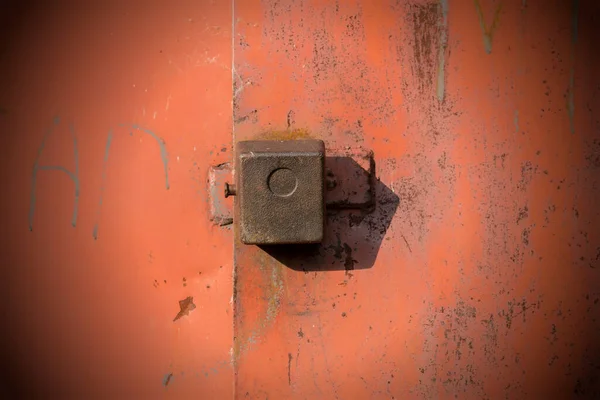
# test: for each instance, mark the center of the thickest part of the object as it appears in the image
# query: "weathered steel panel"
(476, 276)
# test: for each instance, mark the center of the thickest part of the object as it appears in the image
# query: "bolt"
(229, 190)
(330, 183)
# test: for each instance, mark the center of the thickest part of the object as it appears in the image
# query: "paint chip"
(167, 379)
(185, 306)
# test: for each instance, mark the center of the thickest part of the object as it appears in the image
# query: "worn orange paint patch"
(461, 297)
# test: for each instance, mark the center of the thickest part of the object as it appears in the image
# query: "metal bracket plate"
(349, 184)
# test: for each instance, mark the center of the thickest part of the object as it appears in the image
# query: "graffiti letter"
(488, 33)
(163, 156)
(74, 176)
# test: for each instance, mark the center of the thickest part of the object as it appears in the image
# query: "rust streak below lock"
(280, 191)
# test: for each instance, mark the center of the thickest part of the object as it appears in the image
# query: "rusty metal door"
(472, 272)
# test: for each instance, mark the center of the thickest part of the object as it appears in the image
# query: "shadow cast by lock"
(359, 211)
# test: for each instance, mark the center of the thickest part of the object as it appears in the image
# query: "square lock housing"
(280, 191)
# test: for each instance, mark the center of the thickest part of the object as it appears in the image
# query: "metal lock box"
(280, 191)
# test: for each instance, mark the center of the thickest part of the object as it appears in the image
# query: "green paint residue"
(517, 121)
(488, 33)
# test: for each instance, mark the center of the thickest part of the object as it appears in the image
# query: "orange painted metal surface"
(91, 295)
(476, 276)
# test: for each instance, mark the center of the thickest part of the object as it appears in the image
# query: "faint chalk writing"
(74, 176)
(163, 154)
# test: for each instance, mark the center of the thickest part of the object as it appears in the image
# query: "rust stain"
(221, 209)
(272, 286)
(290, 134)
(441, 75)
(480, 204)
(426, 39)
(349, 261)
(185, 307)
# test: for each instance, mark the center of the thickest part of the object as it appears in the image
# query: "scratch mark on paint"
(238, 83)
(407, 245)
(276, 289)
(516, 120)
(74, 176)
(441, 78)
(239, 89)
(167, 379)
(571, 89)
(290, 369)
(488, 33)
(328, 376)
